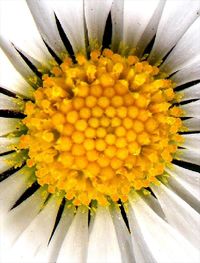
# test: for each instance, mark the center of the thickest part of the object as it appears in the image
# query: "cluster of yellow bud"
(101, 127)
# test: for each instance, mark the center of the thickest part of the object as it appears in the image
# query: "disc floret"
(101, 127)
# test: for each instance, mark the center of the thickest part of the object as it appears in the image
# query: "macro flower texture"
(99, 131)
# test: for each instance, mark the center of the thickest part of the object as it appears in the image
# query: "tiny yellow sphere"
(85, 113)
(89, 144)
(100, 145)
(90, 132)
(81, 125)
(72, 117)
(103, 102)
(93, 122)
(90, 101)
(110, 139)
(101, 132)
(78, 137)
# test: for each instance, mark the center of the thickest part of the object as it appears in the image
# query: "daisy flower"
(99, 131)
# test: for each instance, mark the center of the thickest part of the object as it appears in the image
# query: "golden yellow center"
(101, 127)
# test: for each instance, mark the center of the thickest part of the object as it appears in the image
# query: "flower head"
(99, 131)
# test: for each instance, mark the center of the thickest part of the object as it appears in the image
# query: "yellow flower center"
(101, 127)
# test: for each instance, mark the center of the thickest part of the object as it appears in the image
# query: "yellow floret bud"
(103, 102)
(101, 132)
(93, 122)
(110, 139)
(78, 137)
(90, 101)
(72, 117)
(106, 80)
(89, 144)
(81, 125)
(100, 145)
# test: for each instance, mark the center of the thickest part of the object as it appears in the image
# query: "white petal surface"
(20, 217)
(12, 188)
(71, 16)
(117, 14)
(154, 204)
(123, 236)
(17, 25)
(192, 124)
(190, 93)
(16, 60)
(186, 51)
(137, 15)
(46, 23)
(37, 234)
(103, 243)
(12, 80)
(190, 180)
(187, 74)
(96, 13)
(8, 125)
(191, 109)
(74, 247)
(151, 29)
(179, 214)
(176, 18)
(188, 156)
(8, 161)
(9, 103)
(192, 141)
(59, 234)
(140, 253)
(163, 241)
(8, 144)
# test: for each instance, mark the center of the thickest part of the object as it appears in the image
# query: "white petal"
(186, 51)
(179, 214)
(36, 236)
(46, 23)
(96, 13)
(17, 25)
(20, 217)
(8, 144)
(12, 80)
(71, 16)
(9, 160)
(192, 124)
(192, 141)
(140, 253)
(8, 125)
(103, 244)
(9, 103)
(176, 18)
(188, 156)
(17, 61)
(163, 241)
(12, 188)
(74, 247)
(187, 191)
(186, 185)
(153, 203)
(123, 236)
(187, 74)
(188, 179)
(137, 15)
(59, 234)
(190, 93)
(150, 30)
(191, 109)
(117, 12)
